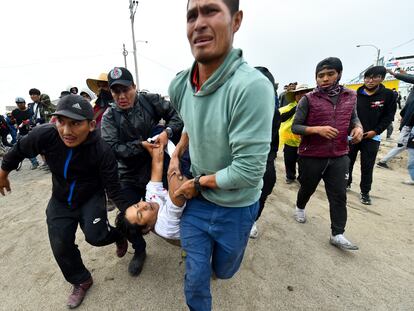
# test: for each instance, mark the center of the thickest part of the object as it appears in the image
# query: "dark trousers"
(269, 181)
(134, 194)
(334, 172)
(62, 222)
(369, 149)
(390, 129)
(290, 155)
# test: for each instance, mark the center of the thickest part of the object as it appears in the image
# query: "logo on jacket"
(377, 104)
(116, 73)
(96, 220)
(77, 106)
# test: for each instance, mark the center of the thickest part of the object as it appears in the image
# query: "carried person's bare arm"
(174, 167)
(4, 182)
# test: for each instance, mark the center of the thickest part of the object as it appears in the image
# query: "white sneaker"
(300, 215)
(341, 241)
(408, 182)
(253, 232)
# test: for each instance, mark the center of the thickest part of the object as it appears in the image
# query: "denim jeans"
(401, 146)
(34, 161)
(214, 238)
(410, 165)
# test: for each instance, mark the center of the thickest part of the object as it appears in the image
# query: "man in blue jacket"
(83, 168)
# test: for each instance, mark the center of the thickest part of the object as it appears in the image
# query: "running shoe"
(300, 215)
(253, 232)
(342, 242)
(365, 199)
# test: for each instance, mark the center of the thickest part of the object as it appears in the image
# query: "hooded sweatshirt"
(77, 173)
(229, 124)
(376, 111)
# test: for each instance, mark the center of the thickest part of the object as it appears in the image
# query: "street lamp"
(373, 46)
(133, 4)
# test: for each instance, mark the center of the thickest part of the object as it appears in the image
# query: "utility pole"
(125, 53)
(133, 4)
(375, 47)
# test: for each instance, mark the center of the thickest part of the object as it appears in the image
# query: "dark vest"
(323, 112)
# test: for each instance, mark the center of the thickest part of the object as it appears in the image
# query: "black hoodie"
(77, 173)
(376, 111)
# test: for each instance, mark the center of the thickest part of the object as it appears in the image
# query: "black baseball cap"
(120, 76)
(74, 107)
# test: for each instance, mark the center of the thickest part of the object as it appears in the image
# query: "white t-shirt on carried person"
(168, 221)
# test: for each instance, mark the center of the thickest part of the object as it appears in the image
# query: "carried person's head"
(374, 77)
(142, 216)
(211, 25)
(74, 120)
(328, 72)
(122, 87)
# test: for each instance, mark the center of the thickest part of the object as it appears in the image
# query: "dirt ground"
(290, 266)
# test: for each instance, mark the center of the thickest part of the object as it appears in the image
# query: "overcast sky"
(52, 44)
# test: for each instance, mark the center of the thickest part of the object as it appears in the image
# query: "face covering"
(104, 98)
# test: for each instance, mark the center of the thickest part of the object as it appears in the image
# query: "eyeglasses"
(375, 78)
(121, 89)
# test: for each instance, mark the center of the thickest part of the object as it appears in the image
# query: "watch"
(197, 184)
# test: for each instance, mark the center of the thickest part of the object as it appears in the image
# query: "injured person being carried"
(162, 209)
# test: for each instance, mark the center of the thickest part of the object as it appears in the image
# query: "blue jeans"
(34, 161)
(410, 165)
(214, 238)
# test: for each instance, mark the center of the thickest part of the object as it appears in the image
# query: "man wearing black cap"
(126, 127)
(323, 118)
(376, 106)
(23, 117)
(82, 168)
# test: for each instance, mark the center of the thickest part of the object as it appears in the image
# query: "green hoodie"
(229, 124)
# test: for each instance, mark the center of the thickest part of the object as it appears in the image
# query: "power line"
(402, 44)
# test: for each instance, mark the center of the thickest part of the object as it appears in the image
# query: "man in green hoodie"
(227, 109)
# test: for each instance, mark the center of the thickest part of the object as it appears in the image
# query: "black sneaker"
(383, 165)
(365, 199)
(137, 263)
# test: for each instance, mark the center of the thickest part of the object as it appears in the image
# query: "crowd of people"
(196, 169)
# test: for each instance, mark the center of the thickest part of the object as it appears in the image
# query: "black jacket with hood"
(77, 173)
(376, 111)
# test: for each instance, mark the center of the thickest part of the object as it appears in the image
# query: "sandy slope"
(380, 276)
